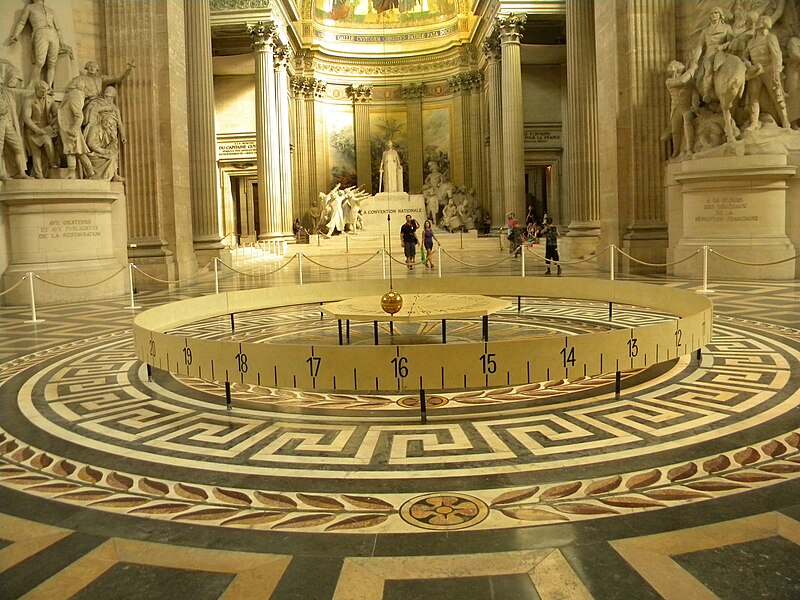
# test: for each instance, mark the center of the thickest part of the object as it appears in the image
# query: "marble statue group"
(74, 133)
(338, 211)
(742, 74)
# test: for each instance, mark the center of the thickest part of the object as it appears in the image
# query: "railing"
(278, 249)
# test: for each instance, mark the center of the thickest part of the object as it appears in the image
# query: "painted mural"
(436, 140)
(341, 148)
(385, 126)
(380, 13)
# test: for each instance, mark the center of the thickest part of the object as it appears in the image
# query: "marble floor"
(116, 484)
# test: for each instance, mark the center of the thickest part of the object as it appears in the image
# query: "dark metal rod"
(340, 333)
(348, 331)
(149, 373)
(391, 327)
(485, 319)
(699, 353)
(423, 409)
(610, 311)
(519, 303)
(233, 324)
(228, 395)
(617, 385)
(444, 331)
(375, 331)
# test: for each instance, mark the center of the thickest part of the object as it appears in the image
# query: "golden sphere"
(391, 302)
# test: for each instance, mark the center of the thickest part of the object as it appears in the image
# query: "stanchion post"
(522, 252)
(383, 258)
(33, 318)
(439, 262)
(612, 262)
(300, 266)
(130, 282)
(705, 289)
(461, 239)
(216, 275)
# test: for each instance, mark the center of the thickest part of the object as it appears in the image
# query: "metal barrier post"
(612, 264)
(439, 262)
(130, 281)
(522, 252)
(300, 266)
(33, 301)
(383, 260)
(461, 239)
(705, 289)
(216, 275)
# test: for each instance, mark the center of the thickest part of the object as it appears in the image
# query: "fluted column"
(413, 97)
(281, 57)
(513, 142)
(494, 156)
(458, 167)
(200, 95)
(474, 177)
(300, 176)
(582, 125)
(267, 159)
(155, 158)
(361, 96)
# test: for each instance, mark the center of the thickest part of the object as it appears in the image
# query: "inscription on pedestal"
(69, 228)
(725, 209)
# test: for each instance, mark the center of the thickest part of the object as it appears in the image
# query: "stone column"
(458, 158)
(200, 96)
(361, 96)
(269, 191)
(316, 128)
(642, 43)
(513, 137)
(156, 158)
(475, 176)
(582, 127)
(300, 170)
(494, 155)
(281, 57)
(413, 97)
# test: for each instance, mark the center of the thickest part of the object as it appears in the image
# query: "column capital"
(262, 33)
(491, 48)
(510, 27)
(412, 91)
(359, 93)
(466, 82)
(280, 57)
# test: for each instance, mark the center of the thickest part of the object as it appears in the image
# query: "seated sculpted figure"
(450, 218)
(103, 143)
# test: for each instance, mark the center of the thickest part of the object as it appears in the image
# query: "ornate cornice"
(226, 5)
(262, 33)
(510, 27)
(359, 93)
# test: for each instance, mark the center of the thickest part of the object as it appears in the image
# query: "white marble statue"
(103, 142)
(683, 101)
(391, 171)
(792, 83)
(764, 50)
(45, 37)
(40, 127)
(94, 83)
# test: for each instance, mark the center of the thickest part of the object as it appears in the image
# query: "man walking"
(550, 233)
(408, 238)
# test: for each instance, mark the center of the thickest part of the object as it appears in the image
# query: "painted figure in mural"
(40, 120)
(391, 170)
(46, 39)
(764, 50)
(683, 99)
(10, 134)
(713, 39)
(70, 119)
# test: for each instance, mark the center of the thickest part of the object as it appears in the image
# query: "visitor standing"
(550, 233)
(408, 237)
(427, 243)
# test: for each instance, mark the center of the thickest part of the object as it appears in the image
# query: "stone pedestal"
(736, 205)
(396, 204)
(70, 232)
